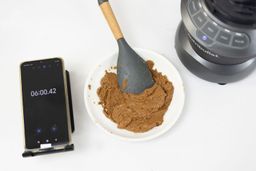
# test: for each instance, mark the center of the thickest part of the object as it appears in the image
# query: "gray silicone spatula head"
(132, 72)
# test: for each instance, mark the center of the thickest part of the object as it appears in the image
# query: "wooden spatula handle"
(111, 19)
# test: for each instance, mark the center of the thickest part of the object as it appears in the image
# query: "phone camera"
(54, 128)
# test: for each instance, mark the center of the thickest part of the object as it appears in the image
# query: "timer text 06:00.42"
(43, 92)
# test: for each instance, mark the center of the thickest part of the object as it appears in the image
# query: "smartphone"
(45, 103)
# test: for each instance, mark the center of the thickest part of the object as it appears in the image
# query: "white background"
(217, 130)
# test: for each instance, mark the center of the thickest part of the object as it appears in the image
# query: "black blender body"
(242, 12)
(217, 38)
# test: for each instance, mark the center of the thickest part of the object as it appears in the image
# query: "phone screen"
(44, 103)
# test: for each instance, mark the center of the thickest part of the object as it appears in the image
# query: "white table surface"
(217, 130)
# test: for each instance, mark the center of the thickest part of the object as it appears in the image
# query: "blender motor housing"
(217, 39)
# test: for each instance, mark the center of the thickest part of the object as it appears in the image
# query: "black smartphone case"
(68, 147)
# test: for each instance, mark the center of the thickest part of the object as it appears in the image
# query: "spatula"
(132, 71)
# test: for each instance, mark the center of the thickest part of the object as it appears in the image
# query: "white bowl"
(96, 111)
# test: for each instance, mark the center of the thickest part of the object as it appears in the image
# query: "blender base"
(209, 71)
